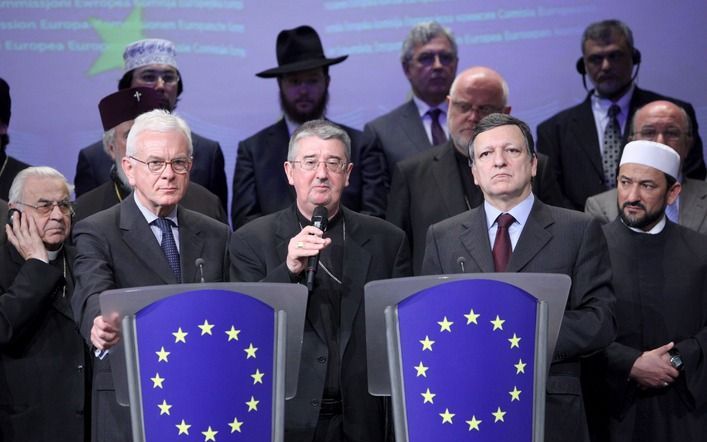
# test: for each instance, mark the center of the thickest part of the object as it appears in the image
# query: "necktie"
(438, 135)
(612, 146)
(169, 246)
(502, 244)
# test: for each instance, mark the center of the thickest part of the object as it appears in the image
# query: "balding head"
(666, 123)
(475, 93)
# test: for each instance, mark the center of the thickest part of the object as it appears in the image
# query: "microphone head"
(319, 217)
(199, 262)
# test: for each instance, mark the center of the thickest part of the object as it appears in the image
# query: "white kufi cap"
(149, 51)
(652, 154)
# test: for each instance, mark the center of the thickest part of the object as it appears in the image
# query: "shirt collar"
(520, 212)
(423, 107)
(151, 217)
(54, 254)
(602, 105)
(654, 231)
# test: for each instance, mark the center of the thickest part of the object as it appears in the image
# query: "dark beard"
(293, 114)
(649, 219)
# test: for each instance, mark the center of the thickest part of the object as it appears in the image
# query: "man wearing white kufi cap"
(153, 63)
(651, 383)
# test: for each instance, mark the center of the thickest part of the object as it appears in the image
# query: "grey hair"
(108, 139)
(157, 120)
(497, 120)
(18, 184)
(423, 33)
(322, 129)
(604, 30)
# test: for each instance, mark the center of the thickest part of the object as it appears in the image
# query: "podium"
(464, 357)
(207, 359)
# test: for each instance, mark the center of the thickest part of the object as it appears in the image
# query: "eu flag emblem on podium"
(206, 367)
(467, 362)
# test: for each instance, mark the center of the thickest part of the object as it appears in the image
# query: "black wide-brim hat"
(299, 49)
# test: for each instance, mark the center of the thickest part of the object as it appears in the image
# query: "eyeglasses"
(332, 164)
(179, 165)
(651, 134)
(46, 207)
(150, 77)
(428, 58)
(466, 108)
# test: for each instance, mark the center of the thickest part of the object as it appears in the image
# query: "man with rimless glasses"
(152, 63)
(332, 402)
(147, 239)
(43, 359)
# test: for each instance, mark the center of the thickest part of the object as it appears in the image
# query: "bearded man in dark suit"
(147, 239)
(512, 231)
(332, 402)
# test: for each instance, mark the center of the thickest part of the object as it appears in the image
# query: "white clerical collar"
(150, 216)
(54, 254)
(654, 231)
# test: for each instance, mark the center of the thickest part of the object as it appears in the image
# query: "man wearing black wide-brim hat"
(302, 73)
(9, 166)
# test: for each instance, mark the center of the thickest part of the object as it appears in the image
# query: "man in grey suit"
(436, 184)
(429, 60)
(332, 402)
(147, 239)
(515, 232)
(667, 123)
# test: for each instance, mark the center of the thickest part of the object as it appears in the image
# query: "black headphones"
(635, 58)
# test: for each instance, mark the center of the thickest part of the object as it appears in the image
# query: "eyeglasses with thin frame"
(45, 207)
(428, 58)
(334, 165)
(466, 108)
(150, 77)
(179, 165)
(651, 134)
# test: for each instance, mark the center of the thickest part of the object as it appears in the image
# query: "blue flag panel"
(206, 368)
(467, 362)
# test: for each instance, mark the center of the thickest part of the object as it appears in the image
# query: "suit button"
(315, 403)
(321, 360)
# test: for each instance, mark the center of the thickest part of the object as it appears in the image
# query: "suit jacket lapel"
(533, 237)
(474, 239)
(356, 263)
(190, 246)
(585, 134)
(445, 171)
(138, 235)
(693, 204)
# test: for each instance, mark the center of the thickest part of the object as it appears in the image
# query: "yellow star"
(514, 341)
(232, 334)
(252, 404)
(474, 423)
(115, 37)
(498, 323)
(515, 394)
(520, 366)
(250, 351)
(421, 370)
(157, 381)
(235, 425)
(206, 329)
(444, 324)
(428, 395)
(162, 355)
(180, 335)
(257, 377)
(183, 428)
(447, 416)
(498, 414)
(164, 407)
(472, 317)
(427, 344)
(209, 434)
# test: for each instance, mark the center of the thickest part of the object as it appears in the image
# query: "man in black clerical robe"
(651, 383)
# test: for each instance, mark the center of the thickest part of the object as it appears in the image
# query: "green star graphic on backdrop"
(116, 38)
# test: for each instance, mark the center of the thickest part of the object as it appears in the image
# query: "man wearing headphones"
(585, 142)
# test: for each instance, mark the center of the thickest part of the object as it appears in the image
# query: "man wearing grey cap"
(302, 74)
(118, 112)
(651, 383)
(9, 167)
(153, 63)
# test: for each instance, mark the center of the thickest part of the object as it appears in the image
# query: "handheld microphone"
(199, 262)
(320, 221)
(461, 260)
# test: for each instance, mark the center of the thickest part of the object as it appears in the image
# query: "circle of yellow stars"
(180, 336)
(428, 397)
